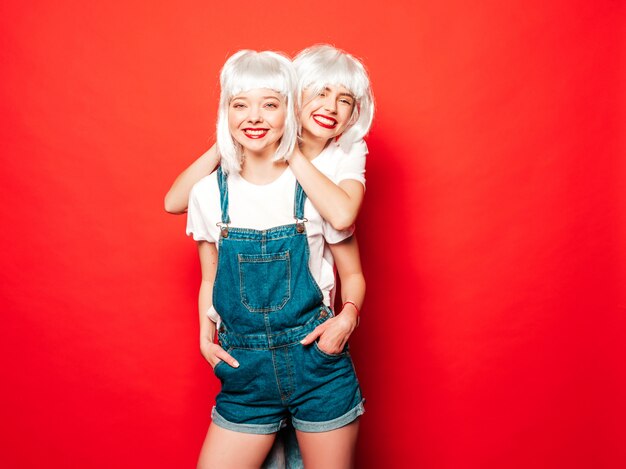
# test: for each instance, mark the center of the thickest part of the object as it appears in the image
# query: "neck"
(259, 168)
(311, 146)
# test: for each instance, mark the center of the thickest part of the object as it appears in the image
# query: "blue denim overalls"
(268, 301)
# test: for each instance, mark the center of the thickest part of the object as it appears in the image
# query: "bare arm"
(211, 351)
(338, 204)
(334, 333)
(177, 197)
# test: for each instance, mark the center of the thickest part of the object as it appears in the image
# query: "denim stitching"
(297, 328)
(308, 271)
(217, 270)
(332, 424)
(265, 258)
(288, 365)
(331, 356)
(266, 428)
(221, 362)
(277, 232)
(280, 389)
(355, 375)
(236, 339)
(256, 238)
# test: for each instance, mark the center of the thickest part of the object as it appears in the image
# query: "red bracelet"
(358, 313)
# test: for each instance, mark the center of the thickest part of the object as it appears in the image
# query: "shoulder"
(205, 186)
(204, 210)
(341, 152)
(354, 150)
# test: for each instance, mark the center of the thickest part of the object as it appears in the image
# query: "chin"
(322, 133)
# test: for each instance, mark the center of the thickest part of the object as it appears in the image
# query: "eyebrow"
(246, 98)
(349, 95)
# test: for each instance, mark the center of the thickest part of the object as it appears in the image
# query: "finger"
(332, 346)
(328, 347)
(224, 356)
(312, 336)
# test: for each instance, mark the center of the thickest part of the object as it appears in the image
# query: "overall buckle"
(223, 229)
(300, 224)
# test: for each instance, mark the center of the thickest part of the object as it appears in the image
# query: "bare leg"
(329, 450)
(226, 449)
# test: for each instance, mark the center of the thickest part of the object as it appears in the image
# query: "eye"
(238, 105)
(346, 101)
(271, 105)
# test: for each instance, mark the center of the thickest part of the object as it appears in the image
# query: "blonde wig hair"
(322, 65)
(248, 70)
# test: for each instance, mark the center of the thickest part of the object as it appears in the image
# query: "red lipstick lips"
(324, 121)
(255, 133)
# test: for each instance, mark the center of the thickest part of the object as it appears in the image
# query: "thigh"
(329, 450)
(226, 449)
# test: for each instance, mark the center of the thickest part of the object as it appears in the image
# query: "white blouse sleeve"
(198, 214)
(352, 164)
(333, 236)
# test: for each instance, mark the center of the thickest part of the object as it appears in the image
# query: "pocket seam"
(263, 258)
(329, 355)
(221, 362)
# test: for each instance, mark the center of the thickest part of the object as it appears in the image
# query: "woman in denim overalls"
(266, 297)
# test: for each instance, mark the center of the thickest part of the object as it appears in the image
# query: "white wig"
(322, 65)
(248, 70)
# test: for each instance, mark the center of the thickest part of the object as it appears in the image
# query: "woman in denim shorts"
(260, 262)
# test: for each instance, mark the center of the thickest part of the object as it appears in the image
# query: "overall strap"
(298, 203)
(222, 179)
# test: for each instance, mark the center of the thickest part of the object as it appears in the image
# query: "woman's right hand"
(214, 353)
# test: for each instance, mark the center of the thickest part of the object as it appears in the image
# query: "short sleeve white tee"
(337, 165)
(261, 207)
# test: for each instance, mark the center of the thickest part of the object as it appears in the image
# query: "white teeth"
(325, 121)
(255, 132)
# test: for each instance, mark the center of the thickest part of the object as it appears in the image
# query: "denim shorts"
(318, 391)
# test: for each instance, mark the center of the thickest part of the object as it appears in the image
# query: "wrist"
(296, 158)
(351, 308)
(207, 338)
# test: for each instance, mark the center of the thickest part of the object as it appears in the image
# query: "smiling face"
(256, 120)
(326, 114)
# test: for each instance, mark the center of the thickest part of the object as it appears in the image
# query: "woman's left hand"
(333, 334)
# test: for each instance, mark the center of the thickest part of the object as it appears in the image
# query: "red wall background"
(492, 233)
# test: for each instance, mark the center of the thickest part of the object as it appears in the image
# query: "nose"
(254, 115)
(330, 104)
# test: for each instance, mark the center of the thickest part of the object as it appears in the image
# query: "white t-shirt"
(337, 165)
(265, 206)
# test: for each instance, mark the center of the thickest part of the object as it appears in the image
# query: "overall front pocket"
(265, 281)
(331, 356)
(220, 363)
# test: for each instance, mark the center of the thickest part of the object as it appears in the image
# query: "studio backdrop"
(492, 233)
